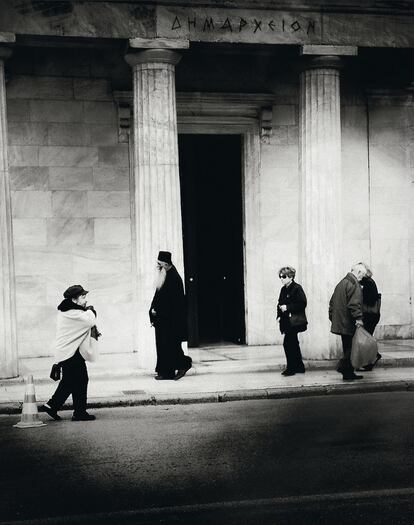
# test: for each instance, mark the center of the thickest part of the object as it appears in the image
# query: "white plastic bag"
(364, 348)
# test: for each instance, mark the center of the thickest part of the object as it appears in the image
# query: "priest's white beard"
(160, 278)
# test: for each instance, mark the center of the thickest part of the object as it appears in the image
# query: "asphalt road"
(334, 459)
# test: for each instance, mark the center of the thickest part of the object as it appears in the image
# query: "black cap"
(164, 257)
(74, 291)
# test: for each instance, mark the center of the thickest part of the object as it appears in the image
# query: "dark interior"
(211, 194)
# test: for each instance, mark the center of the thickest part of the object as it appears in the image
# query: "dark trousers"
(344, 366)
(170, 355)
(74, 381)
(292, 351)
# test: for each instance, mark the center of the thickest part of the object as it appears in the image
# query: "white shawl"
(73, 332)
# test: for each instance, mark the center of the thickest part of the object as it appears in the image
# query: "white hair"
(368, 270)
(359, 267)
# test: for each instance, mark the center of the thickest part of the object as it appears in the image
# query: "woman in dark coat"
(370, 309)
(292, 319)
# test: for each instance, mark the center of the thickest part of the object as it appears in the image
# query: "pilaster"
(8, 332)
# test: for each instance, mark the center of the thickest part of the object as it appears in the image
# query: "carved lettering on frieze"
(227, 25)
(208, 24)
(239, 24)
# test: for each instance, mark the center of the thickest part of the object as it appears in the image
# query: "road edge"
(13, 408)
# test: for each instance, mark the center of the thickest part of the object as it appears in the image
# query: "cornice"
(402, 7)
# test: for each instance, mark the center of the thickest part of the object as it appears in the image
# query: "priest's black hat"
(164, 257)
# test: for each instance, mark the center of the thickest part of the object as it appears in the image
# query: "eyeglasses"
(282, 276)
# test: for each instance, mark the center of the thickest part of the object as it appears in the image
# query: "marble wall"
(71, 207)
(377, 192)
(279, 207)
(355, 182)
(391, 138)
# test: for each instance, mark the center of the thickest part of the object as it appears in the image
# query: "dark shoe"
(351, 377)
(300, 370)
(163, 378)
(288, 373)
(83, 417)
(368, 368)
(52, 413)
(181, 373)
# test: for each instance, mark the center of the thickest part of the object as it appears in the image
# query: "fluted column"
(157, 199)
(8, 332)
(321, 225)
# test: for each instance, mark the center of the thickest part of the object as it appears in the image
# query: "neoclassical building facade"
(240, 138)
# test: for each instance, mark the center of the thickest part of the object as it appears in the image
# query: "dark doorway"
(211, 196)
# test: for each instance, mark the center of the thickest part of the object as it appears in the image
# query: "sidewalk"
(219, 374)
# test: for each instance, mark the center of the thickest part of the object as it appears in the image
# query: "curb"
(201, 368)
(234, 395)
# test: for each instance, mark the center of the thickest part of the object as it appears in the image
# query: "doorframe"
(222, 114)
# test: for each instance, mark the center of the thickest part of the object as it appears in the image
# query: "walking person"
(345, 312)
(169, 318)
(75, 342)
(371, 304)
(292, 319)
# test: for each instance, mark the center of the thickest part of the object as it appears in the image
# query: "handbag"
(55, 372)
(374, 309)
(298, 321)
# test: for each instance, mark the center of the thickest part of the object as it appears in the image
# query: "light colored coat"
(73, 332)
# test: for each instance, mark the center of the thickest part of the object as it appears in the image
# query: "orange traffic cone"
(30, 416)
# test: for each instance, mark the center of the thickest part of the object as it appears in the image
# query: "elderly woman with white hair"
(292, 319)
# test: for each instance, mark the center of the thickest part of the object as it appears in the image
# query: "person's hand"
(359, 322)
(283, 307)
(91, 308)
(153, 312)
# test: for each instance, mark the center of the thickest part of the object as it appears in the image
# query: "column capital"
(323, 62)
(153, 56)
(158, 43)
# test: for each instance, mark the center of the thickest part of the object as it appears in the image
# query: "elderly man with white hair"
(345, 313)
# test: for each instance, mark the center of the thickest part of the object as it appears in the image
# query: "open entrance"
(211, 196)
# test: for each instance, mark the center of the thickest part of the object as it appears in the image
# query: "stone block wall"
(391, 139)
(355, 183)
(378, 193)
(71, 207)
(279, 207)
(377, 197)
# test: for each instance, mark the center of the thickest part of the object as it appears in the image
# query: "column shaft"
(157, 196)
(321, 224)
(8, 332)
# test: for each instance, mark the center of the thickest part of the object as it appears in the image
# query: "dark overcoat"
(170, 307)
(294, 298)
(370, 296)
(345, 306)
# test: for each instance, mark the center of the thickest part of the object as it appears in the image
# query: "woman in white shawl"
(75, 343)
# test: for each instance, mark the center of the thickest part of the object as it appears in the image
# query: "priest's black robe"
(170, 323)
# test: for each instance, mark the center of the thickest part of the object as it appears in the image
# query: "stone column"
(321, 224)
(8, 332)
(157, 199)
